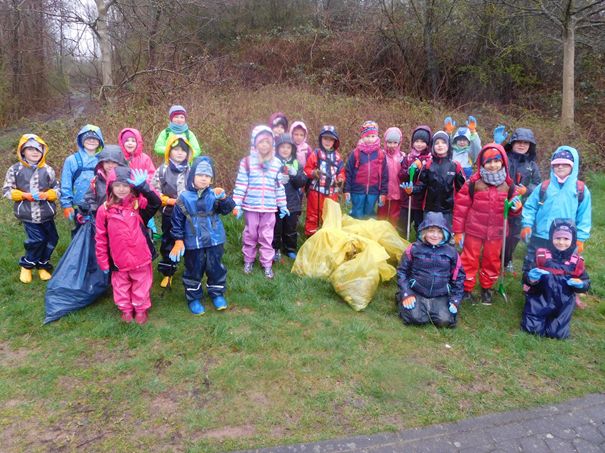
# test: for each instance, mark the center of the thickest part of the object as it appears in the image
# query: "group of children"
(453, 190)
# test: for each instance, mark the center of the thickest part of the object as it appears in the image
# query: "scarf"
(178, 129)
(460, 150)
(179, 168)
(493, 178)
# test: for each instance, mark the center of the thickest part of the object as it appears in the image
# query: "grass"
(288, 362)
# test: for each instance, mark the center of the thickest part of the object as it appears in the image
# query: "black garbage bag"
(77, 280)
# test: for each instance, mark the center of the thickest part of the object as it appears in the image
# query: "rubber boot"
(127, 316)
(166, 282)
(486, 296)
(44, 274)
(196, 307)
(219, 303)
(140, 317)
(26, 275)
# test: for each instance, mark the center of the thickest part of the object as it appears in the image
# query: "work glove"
(237, 212)
(459, 239)
(139, 177)
(382, 200)
(515, 203)
(417, 164)
(448, 125)
(520, 190)
(580, 246)
(68, 213)
(219, 193)
(452, 308)
(347, 198)
(17, 195)
(500, 134)
(177, 251)
(408, 187)
(409, 302)
(82, 219)
(575, 283)
(471, 123)
(526, 234)
(535, 274)
(283, 212)
(284, 179)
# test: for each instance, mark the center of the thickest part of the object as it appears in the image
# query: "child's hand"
(284, 179)
(219, 193)
(283, 212)
(459, 239)
(536, 273)
(409, 302)
(500, 134)
(526, 234)
(452, 308)
(575, 283)
(17, 195)
(580, 246)
(520, 190)
(408, 187)
(347, 198)
(417, 164)
(381, 200)
(471, 123)
(515, 203)
(139, 177)
(49, 195)
(36, 195)
(68, 213)
(449, 124)
(237, 212)
(177, 251)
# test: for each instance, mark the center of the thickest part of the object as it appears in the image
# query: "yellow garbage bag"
(379, 230)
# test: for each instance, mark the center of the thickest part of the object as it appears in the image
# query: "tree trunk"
(567, 102)
(431, 61)
(102, 32)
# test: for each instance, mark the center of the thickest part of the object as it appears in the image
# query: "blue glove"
(139, 177)
(408, 187)
(151, 226)
(500, 134)
(452, 308)
(515, 203)
(283, 212)
(535, 274)
(575, 283)
(36, 195)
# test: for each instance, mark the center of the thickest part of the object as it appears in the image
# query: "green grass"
(288, 362)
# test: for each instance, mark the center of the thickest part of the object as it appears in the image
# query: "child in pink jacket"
(122, 242)
(394, 156)
(300, 134)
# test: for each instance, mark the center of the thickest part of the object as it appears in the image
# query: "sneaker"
(219, 303)
(291, 255)
(268, 272)
(26, 275)
(468, 297)
(140, 317)
(486, 296)
(196, 307)
(277, 256)
(166, 282)
(127, 316)
(44, 275)
(248, 268)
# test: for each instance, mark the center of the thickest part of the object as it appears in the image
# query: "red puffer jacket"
(482, 215)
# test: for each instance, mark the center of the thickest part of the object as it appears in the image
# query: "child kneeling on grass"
(430, 276)
(122, 242)
(199, 235)
(557, 275)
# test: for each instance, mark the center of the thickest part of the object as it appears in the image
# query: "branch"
(588, 8)
(131, 77)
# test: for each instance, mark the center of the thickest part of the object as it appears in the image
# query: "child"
(562, 196)
(392, 142)
(169, 181)
(325, 169)
(465, 143)
(199, 235)
(479, 219)
(122, 242)
(177, 126)
(32, 185)
(299, 134)
(78, 170)
(258, 195)
(131, 142)
(525, 173)
(441, 178)
(555, 278)
(278, 124)
(419, 155)
(430, 276)
(293, 179)
(366, 180)
(109, 158)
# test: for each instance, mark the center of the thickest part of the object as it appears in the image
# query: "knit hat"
(176, 110)
(563, 231)
(90, 134)
(278, 118)
(31, 143)
(393, 135)
(369, 128)
(263, 134)
(563, 156)
(122, 174)
(490, 154)
(286, 139)
(421, 134)
(204, 168)
(128, 134)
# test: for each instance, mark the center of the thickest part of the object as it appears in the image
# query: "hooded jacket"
(303, 150)
(167, 136)
(138, 159)
(560, 201)
(293, 187)
(523, 168)
(329, 163)
(551, 296)
(440, 179)
(394, 158)
(122, 242)
(366, 170)
(466, 156)
(97, 192)
(195, 217)
(431, 270)
(78, 169)
(404, 174)
(31, 179)
(171, 179)
(482, 215)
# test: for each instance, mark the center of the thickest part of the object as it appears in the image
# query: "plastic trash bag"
(380, 231)
(77, 280)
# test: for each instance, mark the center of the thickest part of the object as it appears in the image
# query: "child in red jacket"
(479, 219)
(122, 242)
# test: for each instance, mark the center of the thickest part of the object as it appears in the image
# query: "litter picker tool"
(507, 206)
(412, 171)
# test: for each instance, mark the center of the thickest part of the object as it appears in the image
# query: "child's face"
(420, 145)
(91, 144)
(561, 170)
(109, 165)
(130, 144)
(32, 154)
(440, 147)
(561, 243)
(264, 147)
(201, 181)
(178, 154)
(179, 119)
(284, 150)
(392, 146)
(369, 139)
(327, 142)
(120, 189)
(298, 135)
(278, 130)
(521, 147)
(493, 165)
(433, 235)
(462, 142)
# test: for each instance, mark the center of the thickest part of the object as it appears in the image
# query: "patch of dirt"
(10, 357)
(229, 432)
(164, 404)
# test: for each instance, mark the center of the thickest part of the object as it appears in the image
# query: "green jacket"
(166, 136)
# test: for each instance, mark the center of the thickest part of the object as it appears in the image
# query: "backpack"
(381, 156)
(580, 186)
(80, 168)
(543, 255)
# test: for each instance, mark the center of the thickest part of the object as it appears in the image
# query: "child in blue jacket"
(199, 235)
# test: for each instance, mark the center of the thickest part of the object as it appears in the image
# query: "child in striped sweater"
(258, 194)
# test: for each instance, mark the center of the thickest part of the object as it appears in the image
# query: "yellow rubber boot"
(26, 275)
(166, 281)
(44, 274)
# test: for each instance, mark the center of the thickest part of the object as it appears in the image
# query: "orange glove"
(526, 234)
(68, 213)
(448, 125)
(459, 239)
(471, 123)
(219, 193)
(237, 212)
(27, 196)
(580, 246)
(164, 199)
(409, 302)
(177, 251)
(520, 190)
